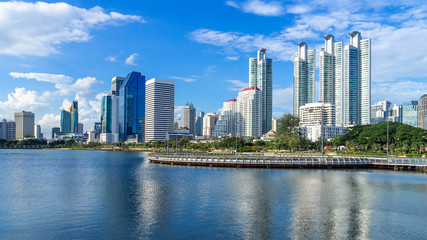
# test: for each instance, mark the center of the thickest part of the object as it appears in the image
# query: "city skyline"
(43, 72)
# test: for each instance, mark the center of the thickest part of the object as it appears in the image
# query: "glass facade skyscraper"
(261, 76)
(132, 107)
(304, 76)
(410, 113)
(65, 121)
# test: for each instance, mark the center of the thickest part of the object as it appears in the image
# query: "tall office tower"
(199, 123)
(189, 118)
(65, 121)
(261, 76)
(248, 113)
(74, 113)
(226, 124)
(395, 113)
(410, 113)
(209, 122)
(132, 108)
(7, 130)
(116, 83)
(37, 131)
(330, 71)
(55, 130)
(380, 112)
(24, 125)
(304, 76)
(318, 113)
(422, 112)
(159, 109)
(357, 78)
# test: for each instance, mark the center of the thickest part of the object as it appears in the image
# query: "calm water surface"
(62, 194)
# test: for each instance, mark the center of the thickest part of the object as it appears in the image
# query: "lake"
(71, 194)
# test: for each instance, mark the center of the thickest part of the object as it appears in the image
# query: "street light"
(387, 138)
(321, 130)
(176, 140)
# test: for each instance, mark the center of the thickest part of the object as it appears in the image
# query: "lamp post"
(321, 131)
(176, 140)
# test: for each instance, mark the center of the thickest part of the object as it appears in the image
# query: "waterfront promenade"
(288, 161)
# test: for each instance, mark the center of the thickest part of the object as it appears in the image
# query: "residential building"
(54, 131)
(37, 132)
(226, 124)
(24, 125)
(319, 113)
(199, 123)
(304, 76)
(422, 112)
(209, 122)
(7, 130)
(261, 76)
(410, 113)
(380, 111)
(132, 107)
(357, 78)
(189, 118)
(159, 109)
(248, 113)
(314, 133)
(331, 76)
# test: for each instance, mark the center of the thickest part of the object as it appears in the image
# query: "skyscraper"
(357, 78)
(261, 76)
(330, 76)
(422, 112)
(37, 131)
(24, 125)
(189, 118)
(249, 113)
(199, 123)
(410, 113)
(80, 128)
(159, 110)
(132, 107)
(108, 130)
(74, 113)
(304, 76)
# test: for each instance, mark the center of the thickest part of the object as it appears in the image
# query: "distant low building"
(314, 133)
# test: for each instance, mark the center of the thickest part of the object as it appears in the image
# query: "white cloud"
(185, 79)
(259, 7)
(131, 59)
(299, 9)
(38, 29)
(237, 85)
(398, 92)
(21, 100)
(232, 58)
(111, 59)
(47, 122)
(57, 79)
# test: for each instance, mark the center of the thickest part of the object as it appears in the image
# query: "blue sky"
(53, 53)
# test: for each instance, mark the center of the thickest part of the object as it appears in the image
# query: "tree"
(288, 124)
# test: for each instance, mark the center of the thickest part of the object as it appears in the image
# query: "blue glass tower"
(132, 107)
(65, 121)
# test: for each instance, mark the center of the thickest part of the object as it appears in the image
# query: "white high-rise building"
(159, 108)
(357, 78)
(226, 124)
(249, 113)
(330, 76)
(304, 76)
(261, 76)
(24, 125)
(275, 123)
(37, 131)
(209, 122)
(380, 112)
(318, 113)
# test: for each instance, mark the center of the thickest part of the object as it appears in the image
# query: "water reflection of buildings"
(331, 205)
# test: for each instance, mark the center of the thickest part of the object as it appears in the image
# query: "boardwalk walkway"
(287, 161)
